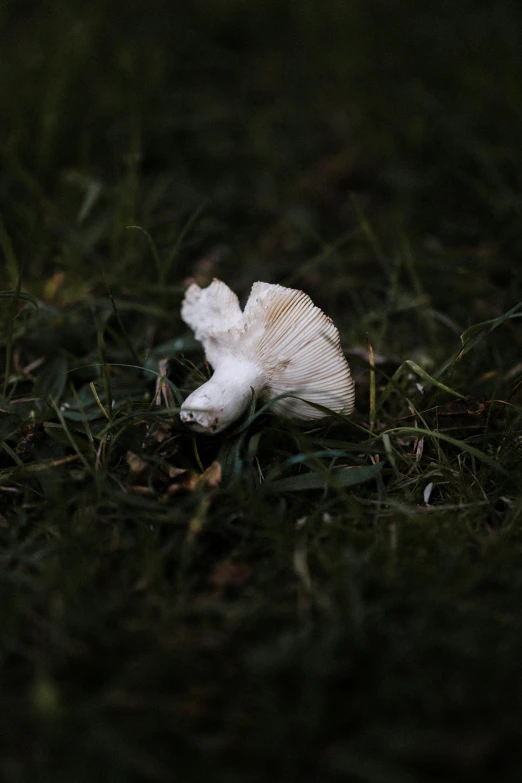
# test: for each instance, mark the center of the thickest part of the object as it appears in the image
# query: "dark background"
(368, 152)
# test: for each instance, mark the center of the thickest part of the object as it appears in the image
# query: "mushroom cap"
(294, 344)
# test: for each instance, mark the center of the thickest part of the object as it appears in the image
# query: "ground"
(315, 603)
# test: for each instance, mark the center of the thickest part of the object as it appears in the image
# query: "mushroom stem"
(223, 398)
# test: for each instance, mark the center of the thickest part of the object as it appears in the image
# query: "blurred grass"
(155, 621)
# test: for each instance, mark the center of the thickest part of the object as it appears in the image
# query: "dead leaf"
(28, 434)
(211, 478)
(464, 412)
(175, 472)
(136, 464)
(230, 575)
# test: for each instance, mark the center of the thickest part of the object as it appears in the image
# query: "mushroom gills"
(282, 344)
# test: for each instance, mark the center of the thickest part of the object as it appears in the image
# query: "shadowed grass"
(324, 601)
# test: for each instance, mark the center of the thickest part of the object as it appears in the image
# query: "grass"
(327, 602)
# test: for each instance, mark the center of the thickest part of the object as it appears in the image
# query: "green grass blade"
(10, 260)
(460, 444)
(19, 295)
(341, 477)
(11, 315)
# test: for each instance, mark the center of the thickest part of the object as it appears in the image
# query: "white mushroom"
(281, 344)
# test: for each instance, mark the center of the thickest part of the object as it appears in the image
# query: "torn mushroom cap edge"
(293, 341)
